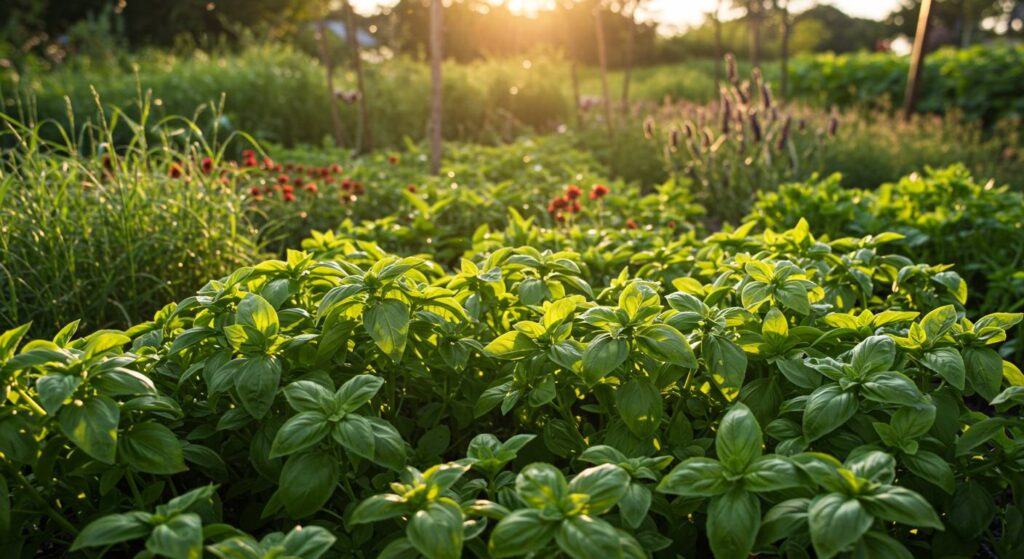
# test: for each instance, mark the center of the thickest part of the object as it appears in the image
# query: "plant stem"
(31, 403)
(52, 512)
(135, 489)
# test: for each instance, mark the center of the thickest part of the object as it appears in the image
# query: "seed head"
(755, 127)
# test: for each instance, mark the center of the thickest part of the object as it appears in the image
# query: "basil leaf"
(696, 477)
(436, 531)
(92, 426)
(640, 406)
(300, 432)
(739, 439)
(520, 533)
(898, 504)
(836, 522)
(604, 484)
(180, 537)
(112, 529)
(152, 448)
(387, 323)
(734, 518)
(603, 355)
(586, 537)
(307, 482)
(827, 409)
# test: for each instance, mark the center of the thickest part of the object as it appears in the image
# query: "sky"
(677, 14)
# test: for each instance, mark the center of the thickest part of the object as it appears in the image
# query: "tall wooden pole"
(364, 140)
(436, 105)
(917, 59)
(784, 62)
(718, 48)
(630, 46)
(602, 57)
(332, 99)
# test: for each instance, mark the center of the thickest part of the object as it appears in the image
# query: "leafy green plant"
(742, 396)
(942, 216)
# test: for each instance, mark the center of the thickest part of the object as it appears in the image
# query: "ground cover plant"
(773, 393)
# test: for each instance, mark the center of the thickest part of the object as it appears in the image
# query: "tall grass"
(107, 235)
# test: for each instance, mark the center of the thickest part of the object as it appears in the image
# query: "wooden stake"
(917, 59)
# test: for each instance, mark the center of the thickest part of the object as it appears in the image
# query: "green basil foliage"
(571, 393)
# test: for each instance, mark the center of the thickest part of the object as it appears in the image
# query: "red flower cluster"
(570, 201)
(293, 177)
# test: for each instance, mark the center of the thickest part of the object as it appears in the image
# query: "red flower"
(631, 224)
(346, 184)
(255, 191)
(268, 164)
(598, 191)
(250, 162)
(300, 169)
(175, 171)
(575, 207)
(287, 189)
(335, 168)
(358, 188)
(411, 188)
(289, 197)
(207, 165)
(283, 179)
(310, 187)
(557, 204)
(393, 159)
(248, 154)
(573, 192)
(560, 217)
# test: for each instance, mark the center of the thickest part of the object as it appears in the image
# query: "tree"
(364, 137)
(959, 22)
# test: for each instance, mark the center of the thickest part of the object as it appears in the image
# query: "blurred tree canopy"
(962, 22)
(475, 28)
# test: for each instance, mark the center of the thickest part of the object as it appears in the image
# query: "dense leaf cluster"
(944, 215)
(613, 395)
(981, 82)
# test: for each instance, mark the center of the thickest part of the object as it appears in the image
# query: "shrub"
(770, 393)
(944, 216)
(982, 81)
